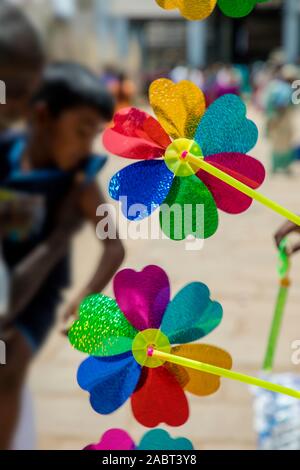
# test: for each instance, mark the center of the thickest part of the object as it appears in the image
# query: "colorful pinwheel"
(118, 333)
(156, 439)
(219, 136)
(201, 9)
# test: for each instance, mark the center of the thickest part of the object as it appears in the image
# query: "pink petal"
(242, 167)
(114, 439)
(142, 296)
(136, 135)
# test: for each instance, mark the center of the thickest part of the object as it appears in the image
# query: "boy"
(68, 112)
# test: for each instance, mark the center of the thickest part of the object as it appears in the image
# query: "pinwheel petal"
(178, 107)
(225, 127)
(158, 439)
(244, 168)
(237, 8)
(110, 381)
(191, 315)
(190, 9)
(189, 209)
(114, 439)
(141, 188)
(143, 296)
(157, 397)
(102, 329)
(202, 383)
(136, 135)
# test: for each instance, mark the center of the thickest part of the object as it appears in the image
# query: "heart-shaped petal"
(158, 439)
(143, 296)
(114, 439)
(110, 381)
(202, 383)
(225, 127)
(141, 188)
(189, 209)
(191, 315)
(102, 329)
(190, 9)
(242, 167)
(238, 8)
(137, 135)
(159, 399)
(178, 107)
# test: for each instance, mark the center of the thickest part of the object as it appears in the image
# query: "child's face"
(70, 137)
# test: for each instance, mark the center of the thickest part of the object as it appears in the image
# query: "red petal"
(159, 399)
(244, 168)
(137, 135)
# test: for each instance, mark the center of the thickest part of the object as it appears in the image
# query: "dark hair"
(67, 85)
(20, 42)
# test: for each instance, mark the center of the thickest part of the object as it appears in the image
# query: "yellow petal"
(190, 9)
(202, 383)
(179, 372)
(178, 107)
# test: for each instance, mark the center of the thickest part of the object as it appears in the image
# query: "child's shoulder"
(91, 166)
(9, 141)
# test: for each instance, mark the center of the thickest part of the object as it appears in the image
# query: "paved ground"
(238, 264)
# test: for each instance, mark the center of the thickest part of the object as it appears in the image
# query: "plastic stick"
(243, 188)
(275, 328)
(229, 374)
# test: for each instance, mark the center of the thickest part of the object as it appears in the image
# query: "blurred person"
(279, 119)
(56, 162)
(120, 85)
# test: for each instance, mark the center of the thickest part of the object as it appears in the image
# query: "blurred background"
(130, 43)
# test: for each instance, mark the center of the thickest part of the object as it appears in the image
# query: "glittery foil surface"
(143, 296)
(102, 329)
(114, 439)
(238, 8)
(242, 167)
(110, 381)
(191, 315)
(178, 107)
(225, 127)
(202, 383)
(190, 9)
(158, 439)
(141, 188)
(189, 209)
(157, 397)
(136, 135)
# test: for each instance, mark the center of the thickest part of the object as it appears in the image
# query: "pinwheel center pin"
(145, 343)
(183, 157)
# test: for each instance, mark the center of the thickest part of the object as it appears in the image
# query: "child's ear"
(41, 113)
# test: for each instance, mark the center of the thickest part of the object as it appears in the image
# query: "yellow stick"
(229, 374)
(243, 188)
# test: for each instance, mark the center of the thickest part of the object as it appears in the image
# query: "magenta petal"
(242, 167)
(114, 439)
(143, 296)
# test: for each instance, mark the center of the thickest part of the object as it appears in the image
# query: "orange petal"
(179, 372)
(178, 107)
(202, 383)
(190, 9)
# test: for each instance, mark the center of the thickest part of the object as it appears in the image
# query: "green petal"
(189, 209)
(102, 329)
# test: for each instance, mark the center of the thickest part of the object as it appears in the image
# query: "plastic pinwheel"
(201, 9)
(156, 439)
(191, 158)
(129, 340)
(118, 332)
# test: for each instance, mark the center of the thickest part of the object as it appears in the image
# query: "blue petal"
(110, 381)
(191, 315)
(145, 184)
(225, 127)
